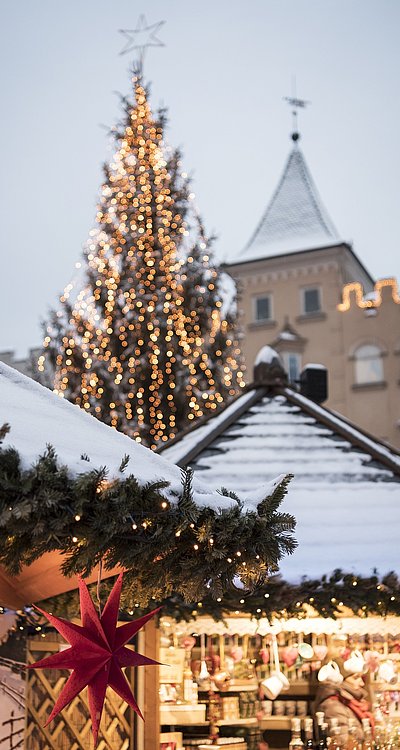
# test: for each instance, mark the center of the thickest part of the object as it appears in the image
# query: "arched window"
(368, 364)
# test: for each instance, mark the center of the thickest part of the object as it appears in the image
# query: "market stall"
(252, 677)
(77, 497)
(329, 599)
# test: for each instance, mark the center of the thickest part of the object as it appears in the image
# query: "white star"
(142, 37)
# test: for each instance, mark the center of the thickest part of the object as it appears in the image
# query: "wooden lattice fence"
(70, 730)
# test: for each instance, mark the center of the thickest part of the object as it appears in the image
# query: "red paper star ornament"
(96, 655)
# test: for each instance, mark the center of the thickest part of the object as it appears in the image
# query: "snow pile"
(38, 417)
(266, 356)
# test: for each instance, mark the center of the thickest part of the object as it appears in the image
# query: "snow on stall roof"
(177, 450)
(347, 505)
(352, 430)
(295, 218)
(38, 417)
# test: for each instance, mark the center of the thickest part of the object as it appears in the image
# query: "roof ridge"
(314, 194)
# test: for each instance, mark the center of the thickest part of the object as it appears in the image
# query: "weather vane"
(296, 104)
(142, 37)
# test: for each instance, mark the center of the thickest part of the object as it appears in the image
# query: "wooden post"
(151, 702)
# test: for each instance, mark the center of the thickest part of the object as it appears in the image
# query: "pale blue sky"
(223, 73)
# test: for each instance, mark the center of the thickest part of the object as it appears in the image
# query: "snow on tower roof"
(295, 218)
(346, 488)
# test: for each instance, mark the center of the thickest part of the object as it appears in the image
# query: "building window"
(311, 300)
(292, 363)
(368, 364)
(262, 308)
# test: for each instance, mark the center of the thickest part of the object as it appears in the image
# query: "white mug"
(274, 685)
(330, 672)
(355, 663)
(305, 651)
(387, 672)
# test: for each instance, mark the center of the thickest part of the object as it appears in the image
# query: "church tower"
(291, 275)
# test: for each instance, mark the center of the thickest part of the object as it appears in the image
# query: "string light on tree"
(147, 345)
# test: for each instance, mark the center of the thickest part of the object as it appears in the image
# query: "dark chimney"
(314, 383)
(268, 368)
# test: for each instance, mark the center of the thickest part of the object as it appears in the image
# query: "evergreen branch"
(168, 546)
(4, 430)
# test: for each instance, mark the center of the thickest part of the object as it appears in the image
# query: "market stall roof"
(345, 495)
(38, 417)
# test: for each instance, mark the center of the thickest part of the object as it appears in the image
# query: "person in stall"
(344, 694)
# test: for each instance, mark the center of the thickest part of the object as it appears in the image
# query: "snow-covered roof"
(295, 218)
(345, 494)
(38, 417)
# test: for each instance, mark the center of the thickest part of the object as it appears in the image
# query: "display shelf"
(250, 722)
(275, 722)
(233, 689)
(182, 714)
(299, 688)
(381, 687)
(278, 722)
(182, 723)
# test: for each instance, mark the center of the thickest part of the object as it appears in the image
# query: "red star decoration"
(96, 655)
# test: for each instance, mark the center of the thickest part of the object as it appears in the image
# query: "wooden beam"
(151, 695)
(40, 580)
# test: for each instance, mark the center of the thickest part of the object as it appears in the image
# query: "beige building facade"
(305, 292)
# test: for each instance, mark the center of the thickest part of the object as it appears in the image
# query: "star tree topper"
(96, 655)
(142, 37)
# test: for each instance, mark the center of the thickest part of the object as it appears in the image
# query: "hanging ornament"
(96, 655)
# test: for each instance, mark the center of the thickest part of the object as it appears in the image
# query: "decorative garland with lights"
(166, 547)
(329, 596)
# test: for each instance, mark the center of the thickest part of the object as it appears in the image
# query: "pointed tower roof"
(295, 218)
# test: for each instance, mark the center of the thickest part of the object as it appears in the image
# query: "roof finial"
(296, 104)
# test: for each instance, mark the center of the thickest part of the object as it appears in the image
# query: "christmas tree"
(147, 344)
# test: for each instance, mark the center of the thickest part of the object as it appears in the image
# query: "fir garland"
(166, 548)
(329, 596)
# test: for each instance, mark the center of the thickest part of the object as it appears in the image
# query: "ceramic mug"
(305, 651)
(266, 708)
(330, 672)
(301, 707)
(355, 663)
(290, 708)
(274, 685)
(221, 679)
(387, 672)
(320, 652)
(279, 708)
(289, 655)
(372, 660)
(264, 652)
(237, 653)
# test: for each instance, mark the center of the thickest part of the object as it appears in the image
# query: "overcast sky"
(223, 74)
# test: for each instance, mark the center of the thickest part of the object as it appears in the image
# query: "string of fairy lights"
(356, 288)
(130, 315)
